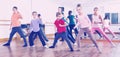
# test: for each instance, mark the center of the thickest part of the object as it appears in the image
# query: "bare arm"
(63, 25)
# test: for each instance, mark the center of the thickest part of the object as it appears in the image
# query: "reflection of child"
(106, 26)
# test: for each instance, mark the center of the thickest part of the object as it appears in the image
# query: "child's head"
(70, 12)
(61, 9)
(106, 17)
(14, 9)
(39, 15)
(78, 8)
(59, 15)
(95, 9)
(34, 14)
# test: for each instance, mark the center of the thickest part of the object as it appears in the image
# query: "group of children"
(63, 28)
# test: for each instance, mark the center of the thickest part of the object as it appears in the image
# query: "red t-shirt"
(60, 29)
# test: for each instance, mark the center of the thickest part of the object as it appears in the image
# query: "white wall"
(48, 8)
(24, 6)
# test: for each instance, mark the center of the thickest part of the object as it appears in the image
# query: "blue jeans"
(71, 26)
(19, 30)
(31, 38)
(42, 34)
(69, 35)
(63, 36)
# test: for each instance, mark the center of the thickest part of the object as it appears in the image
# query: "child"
(69, 35)
(72, 22)
(35, 29)
(61, 31)
(16, 27)
(41, 29)
(96, 25)
(106, 25)
(85, 26)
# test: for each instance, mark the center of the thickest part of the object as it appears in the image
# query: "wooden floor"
(61, 50)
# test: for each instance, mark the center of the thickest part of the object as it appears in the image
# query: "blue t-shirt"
(71, 19)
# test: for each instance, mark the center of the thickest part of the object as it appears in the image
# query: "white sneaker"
(46, 46)
(31, 46)
(75, 44)
(115, 37)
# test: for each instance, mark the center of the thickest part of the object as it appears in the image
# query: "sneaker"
(46, 46)
(7, 44)
(25, 45)
(78, 49)
(51, 47)
(32, 46)
(115, 37)
(75, 44)
(71, 50)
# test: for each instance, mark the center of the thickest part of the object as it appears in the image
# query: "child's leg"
(43, 34)
(34, 37)
(71, 27)
(91, 38)
(31, 39)
(71, 39)
(41, 39)
(98, 33)
(78, 37)
(57, 36)
(64, 36)
(70, 36)
(106, 37)
(10, 37)
(111, 32)
(19, 30)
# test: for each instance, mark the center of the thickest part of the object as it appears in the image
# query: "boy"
(61, 31)
(16, 27)
(41, 29)
(35, 30)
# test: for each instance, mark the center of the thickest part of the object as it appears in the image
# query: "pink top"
(15, 19)
(83, 21)
(60, 29)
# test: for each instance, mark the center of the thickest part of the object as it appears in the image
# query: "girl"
(85, 26)
(96, 24)
(106, 25)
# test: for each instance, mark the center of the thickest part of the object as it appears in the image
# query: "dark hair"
(15, 7)
(95, 8)
(39, 15)
(62, 9)
(78, 5)
(34, 12)
(70, 12)
(106, 17)
(57, 14)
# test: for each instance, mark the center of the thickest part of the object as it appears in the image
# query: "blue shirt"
(71, 19)
(34, 26)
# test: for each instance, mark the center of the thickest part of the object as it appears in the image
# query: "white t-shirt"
(96, 21)
(106, 23)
